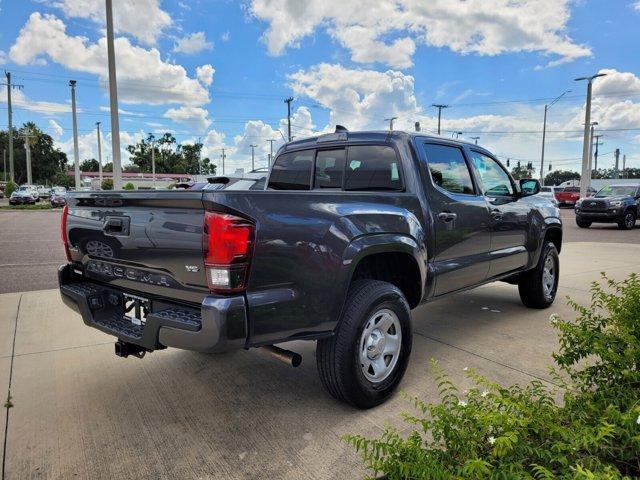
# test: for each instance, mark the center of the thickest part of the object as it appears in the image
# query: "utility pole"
(616, 172)
(199, 157)
(113, 97)
(153, 161)
(271, 140)
(476, 139)
(27, 149)
(288, 102)
(624, 166)
(585, 178)
(593, 124)
(10, 118)
(223, 157)
(4, 160)
(457, 134)
(390, 120)
(99, 153)
(253, 156)
(544, 133)
(595, 155)
(439, 107)
(76, 154)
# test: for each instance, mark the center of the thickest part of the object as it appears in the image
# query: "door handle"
(447, 216)
(496, 214)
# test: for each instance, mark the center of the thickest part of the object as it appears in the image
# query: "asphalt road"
(30, 248)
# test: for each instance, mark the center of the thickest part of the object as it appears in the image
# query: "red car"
(570, 195)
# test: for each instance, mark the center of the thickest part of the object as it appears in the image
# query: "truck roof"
(364, 136)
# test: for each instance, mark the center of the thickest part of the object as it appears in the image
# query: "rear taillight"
(228, 245)
(63, 231)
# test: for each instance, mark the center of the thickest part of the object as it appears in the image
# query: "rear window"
(292, 171)
(372, 167)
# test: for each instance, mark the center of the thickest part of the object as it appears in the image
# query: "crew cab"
(612, 204)
(352, 231)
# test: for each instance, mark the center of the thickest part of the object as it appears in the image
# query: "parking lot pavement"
(81, 411)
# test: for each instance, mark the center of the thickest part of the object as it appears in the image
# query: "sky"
(218, 71)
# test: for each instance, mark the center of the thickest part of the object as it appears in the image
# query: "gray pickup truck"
(350, 232)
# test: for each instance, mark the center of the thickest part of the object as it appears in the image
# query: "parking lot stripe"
(8, 404)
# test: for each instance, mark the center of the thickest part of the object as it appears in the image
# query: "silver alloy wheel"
(549, 277)
(380, 345)
(629, 221)
(97, 248)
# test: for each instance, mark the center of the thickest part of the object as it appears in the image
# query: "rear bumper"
(219, 325)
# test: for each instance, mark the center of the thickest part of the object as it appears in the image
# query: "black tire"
(628, 220)
(583, 223)
(531, 287)
(338, 357)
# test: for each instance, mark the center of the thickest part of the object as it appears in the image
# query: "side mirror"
(529, 186)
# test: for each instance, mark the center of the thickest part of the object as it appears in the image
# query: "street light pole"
(593, 124)
(288, 102)
(113, 98)
(99, 153)
(223, 157)
(153, 162)
(271, 140)
(476, 139)
(585, 178)
(390, 120)
(544, 133)
(74, 118)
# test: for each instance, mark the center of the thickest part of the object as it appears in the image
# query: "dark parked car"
(24, 195)
(352, 231)
(58, 196)
(612, 204)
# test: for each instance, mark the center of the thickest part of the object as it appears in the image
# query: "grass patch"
(37, 206)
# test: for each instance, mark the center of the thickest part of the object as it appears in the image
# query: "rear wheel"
(538, 287)
(365, 359)
(628, 220)
(582, 223)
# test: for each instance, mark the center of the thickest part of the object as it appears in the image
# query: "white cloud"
(637, 5)
(143, 77)
(55, 129)
(122, 111)
(484, 27)
(192, 44)
(196, 118)
(357, 99)
(204, 73)
(301, 124)
(88, 146)
(142, 19)
(225, 37)
(3, 57)
(20, 100)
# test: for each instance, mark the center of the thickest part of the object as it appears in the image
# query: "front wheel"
(583, 223)
(365, 359)
(538, 287)
(628, 220)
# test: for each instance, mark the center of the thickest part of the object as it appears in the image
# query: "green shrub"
(523, 432)
(129, 186)
(107, 184)
(10, 188)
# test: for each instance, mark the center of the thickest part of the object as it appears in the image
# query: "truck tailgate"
(146, 242)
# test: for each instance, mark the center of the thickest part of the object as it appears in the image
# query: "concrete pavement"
(81, 411)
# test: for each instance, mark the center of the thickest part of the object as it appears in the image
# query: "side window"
(448, 168)
(372, 167)
(329, 169)
(292, 171)
(495, 180)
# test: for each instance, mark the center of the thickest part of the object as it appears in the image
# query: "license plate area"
(136, 309)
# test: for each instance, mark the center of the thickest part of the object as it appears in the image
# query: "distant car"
(43, 192)
(549, 194)
(58, 197)
(570, 195)
(25, 195)
(1, 194)
(612, 204)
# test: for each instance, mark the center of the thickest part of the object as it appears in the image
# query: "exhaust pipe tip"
(292, 359)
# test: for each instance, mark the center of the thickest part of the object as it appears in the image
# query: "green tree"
(129, 186)
(10, 188)
(170, 157)
(89, 165)
(46, 160)
(107, 184)
(63, 180)
(559, 176)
